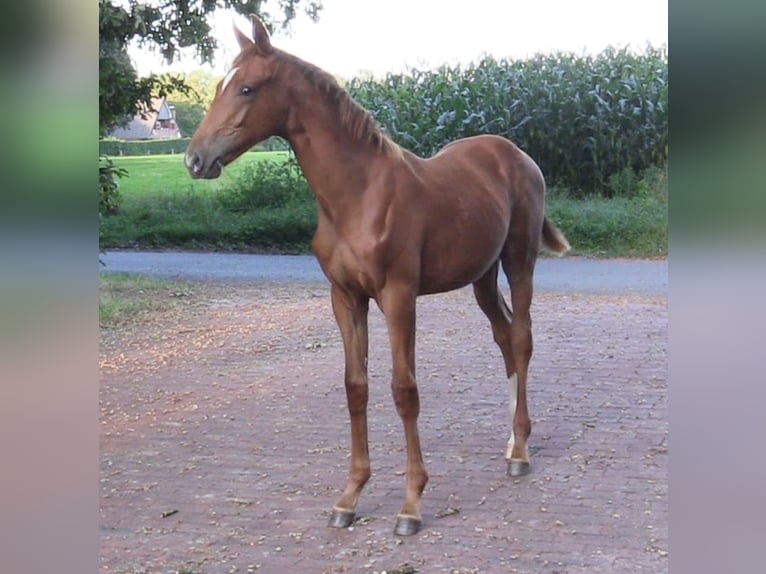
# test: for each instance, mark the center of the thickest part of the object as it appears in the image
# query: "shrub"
(109, 197)
(653, 182)
(285, 229)
(109, 187)
(115, 147)
(267, 185)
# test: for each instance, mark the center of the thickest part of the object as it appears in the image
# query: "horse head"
(248, 107)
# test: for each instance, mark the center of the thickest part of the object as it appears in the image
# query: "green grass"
(123, 297)
(617, 227)
(162, 207)
(161, 176)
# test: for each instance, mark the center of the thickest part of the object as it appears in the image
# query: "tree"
(188, 117)
(168, 26)
(191, 107)
(203, 85)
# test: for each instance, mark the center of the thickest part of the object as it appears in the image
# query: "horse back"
(467, 195)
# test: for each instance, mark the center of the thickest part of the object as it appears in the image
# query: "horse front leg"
(351, 314)
(399, 309)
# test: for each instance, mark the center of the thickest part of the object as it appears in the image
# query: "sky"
(379, 36)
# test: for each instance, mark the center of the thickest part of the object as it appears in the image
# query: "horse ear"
(261, 35)
(243, 41)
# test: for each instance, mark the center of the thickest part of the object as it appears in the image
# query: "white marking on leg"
(513, 387)
(228, 78)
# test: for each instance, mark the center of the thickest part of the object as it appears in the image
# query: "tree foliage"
(191, 105)
(166, 26)
(202, 84)
(188, 117)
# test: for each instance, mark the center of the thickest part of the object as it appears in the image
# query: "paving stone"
(224, 439)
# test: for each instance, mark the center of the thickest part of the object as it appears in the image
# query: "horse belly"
(468, 214)
(458, 255)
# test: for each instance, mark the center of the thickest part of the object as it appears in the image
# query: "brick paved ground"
(230, 410)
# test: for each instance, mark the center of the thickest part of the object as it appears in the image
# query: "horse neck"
(335, 163)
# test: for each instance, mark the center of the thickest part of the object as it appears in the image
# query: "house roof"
(143, 127)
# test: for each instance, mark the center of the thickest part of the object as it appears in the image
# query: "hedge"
(114, 147)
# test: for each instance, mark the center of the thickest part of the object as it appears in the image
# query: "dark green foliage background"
(596, 125)
(582, 118)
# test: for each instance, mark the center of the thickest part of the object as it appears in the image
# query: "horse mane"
(357, 121)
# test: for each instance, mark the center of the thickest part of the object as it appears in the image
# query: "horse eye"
(246, 91)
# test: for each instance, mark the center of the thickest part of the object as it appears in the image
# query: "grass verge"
(124, 297)
(616, 227)
(260, 205)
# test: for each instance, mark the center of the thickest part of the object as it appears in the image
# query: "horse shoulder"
(375, 234)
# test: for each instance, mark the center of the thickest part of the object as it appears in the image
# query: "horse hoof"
(341, 519)
(518, 467)
(406, 526)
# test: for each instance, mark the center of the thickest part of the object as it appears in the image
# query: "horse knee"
(357, 393)
(406, 398)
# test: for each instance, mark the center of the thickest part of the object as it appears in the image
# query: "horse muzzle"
(199, 169)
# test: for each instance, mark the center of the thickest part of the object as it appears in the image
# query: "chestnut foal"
(392, 226)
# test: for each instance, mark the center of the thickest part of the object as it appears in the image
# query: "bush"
(115, 147)
(267, 185)
(285, 229)
(109, 197)
(109, 187)
(653, 182)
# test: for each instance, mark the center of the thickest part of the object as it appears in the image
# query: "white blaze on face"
(228, 78)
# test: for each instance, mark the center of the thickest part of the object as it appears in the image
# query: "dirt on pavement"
(224, 438)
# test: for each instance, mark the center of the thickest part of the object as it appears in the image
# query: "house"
(158, 124)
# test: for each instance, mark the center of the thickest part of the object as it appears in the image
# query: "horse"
(391, 226)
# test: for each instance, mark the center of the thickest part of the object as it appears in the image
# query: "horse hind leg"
(493, 305)
(518, 261)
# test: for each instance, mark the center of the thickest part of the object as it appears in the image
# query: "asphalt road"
(569, 274)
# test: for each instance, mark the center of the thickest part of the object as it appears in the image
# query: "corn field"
(582, 118)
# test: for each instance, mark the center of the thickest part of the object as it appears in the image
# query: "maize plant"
(582, 118)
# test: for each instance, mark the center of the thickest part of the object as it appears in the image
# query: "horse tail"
(553, 239)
